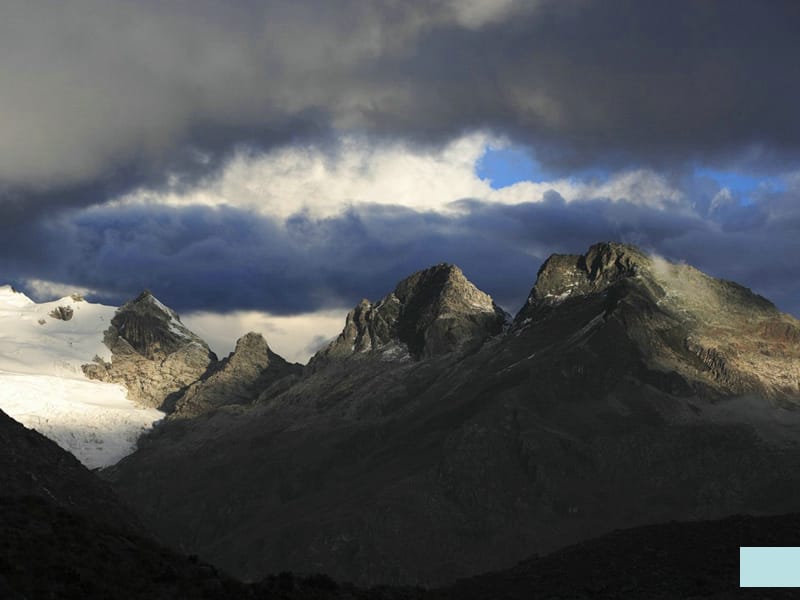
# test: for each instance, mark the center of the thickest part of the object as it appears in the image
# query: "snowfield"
(43, 387)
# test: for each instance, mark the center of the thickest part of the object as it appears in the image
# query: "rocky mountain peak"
(153, 354)
(432, 312)
(151, 327)
(251, 345)
(238, 379)
(715, 335)
(564, 275)
(669, 284)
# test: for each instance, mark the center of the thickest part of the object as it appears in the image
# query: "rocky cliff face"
(629, 390)
(153, 354)
(238, 379)
(573, 275)
(430, 313)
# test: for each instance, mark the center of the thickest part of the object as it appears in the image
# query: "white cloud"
(288, 180)
(43, 291)
(477, 13)
(325, 181)
(294, 337)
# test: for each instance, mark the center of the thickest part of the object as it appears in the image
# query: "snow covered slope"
(42, 385)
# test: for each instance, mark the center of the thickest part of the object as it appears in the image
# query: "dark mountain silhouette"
(426, 443)
(64, 534)
(655, 562)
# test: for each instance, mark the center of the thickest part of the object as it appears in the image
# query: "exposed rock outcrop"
(430, 313)
(62, 313)
(152, 353)
(566, 275)
(716, 336)
(238, 379)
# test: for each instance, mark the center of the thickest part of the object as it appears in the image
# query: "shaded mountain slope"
(33, 466)
(627, 391)
(65, 534)
(658, 562)
(48, 552)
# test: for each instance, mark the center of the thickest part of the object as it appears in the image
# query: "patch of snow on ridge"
(43, 387)
(173, 320)
(162, 307)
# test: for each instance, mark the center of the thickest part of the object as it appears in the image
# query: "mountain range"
(437, 437)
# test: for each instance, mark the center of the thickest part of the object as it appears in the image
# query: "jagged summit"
(153, 354)
(564, 275)
(237, 379)
(717, 336)
(151, 327)
(432, 312)
(572, 276)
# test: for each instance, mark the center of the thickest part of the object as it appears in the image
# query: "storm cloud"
(94, 89)
(288, 158)
(229, 259)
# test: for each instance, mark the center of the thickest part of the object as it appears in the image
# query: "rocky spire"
(564, 275)
(432, 312)
(153, 354)
(151, 327)
(238, 379)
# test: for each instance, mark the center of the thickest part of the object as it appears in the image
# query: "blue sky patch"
(742, 184)
(507, 166)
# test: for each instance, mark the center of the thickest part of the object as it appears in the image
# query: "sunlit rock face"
(42, 348)
(430, 313)
(238, 379)
(152, 353)
(707, 335)
(565, 275)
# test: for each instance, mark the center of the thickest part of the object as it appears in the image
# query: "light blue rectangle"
(769, 566)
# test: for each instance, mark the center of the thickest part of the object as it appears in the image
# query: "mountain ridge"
(616, 407)
(434, 439)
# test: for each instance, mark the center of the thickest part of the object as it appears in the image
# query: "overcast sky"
(264, 164)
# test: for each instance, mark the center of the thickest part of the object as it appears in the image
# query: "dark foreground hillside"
(666, 561)
(63, 534)
(47, 552)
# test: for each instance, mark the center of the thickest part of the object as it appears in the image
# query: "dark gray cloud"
(223, 259)
(103, 96)
(98, 87)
